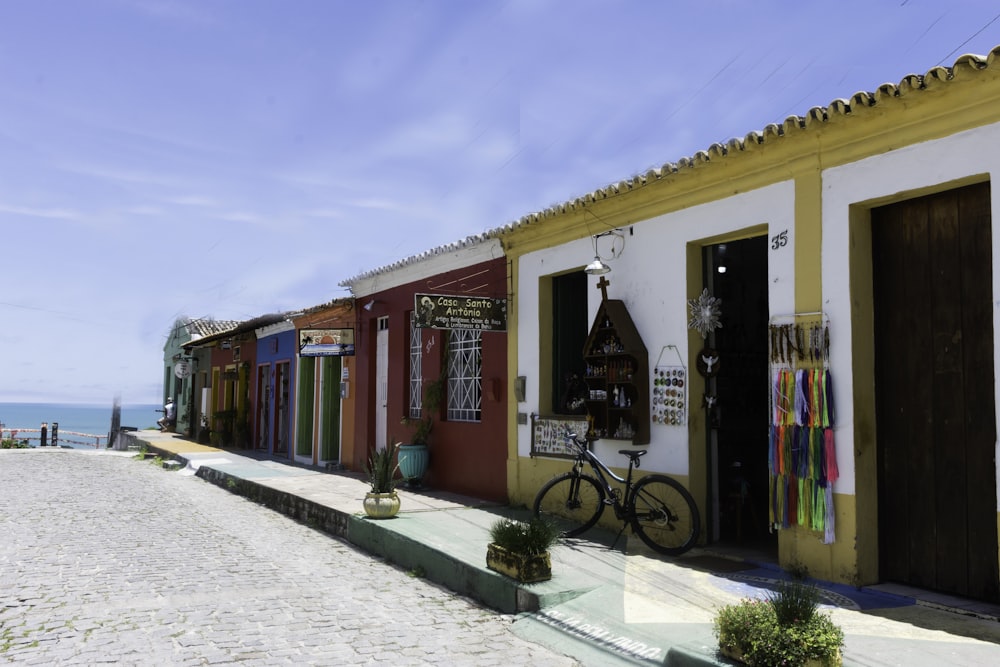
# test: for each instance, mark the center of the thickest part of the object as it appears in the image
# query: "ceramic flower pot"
(413, 460)
(381, 505)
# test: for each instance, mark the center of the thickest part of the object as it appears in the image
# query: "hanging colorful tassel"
(787, 454)
(828, 417)
(829, 533)
(818, 516)
(783, 393)
(802, 441)
(830, 457)
(816, 455)
(801, 402)
(802, 461)
(772, 436)
(816, 403)
(775, 397)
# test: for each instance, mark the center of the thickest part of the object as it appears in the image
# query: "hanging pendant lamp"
(597, 267)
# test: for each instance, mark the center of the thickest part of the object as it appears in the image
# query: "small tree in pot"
(382, 502)
(414, 456)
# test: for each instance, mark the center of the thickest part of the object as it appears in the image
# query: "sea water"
(78, 418)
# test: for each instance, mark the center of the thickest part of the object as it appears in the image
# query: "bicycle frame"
(661, 512)
(600, 469)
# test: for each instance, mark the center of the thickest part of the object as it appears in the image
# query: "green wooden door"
(330, 410)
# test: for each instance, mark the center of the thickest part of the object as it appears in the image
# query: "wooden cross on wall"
(602, 285)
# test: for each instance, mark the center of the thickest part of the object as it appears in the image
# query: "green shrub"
(11, 443)
(529, 538)
(794, 602)
(785, 629)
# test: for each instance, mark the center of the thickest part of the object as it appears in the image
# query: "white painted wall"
(911, 168)
(650, 274)
(650, 277)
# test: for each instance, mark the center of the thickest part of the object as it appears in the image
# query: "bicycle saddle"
(634, 454)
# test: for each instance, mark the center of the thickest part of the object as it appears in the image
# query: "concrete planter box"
(734, 653)
(526, 569)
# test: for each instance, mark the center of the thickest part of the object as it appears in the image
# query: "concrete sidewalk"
(602, 606)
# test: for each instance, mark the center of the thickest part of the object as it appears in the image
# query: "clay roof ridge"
(910, 83)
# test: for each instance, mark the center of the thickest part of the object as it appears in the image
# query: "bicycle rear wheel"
(571, 496)
(666, 517)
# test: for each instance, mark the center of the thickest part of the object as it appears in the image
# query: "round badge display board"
(669, 400)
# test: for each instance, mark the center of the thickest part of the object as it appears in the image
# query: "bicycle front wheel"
(665, 516)
(571, 496)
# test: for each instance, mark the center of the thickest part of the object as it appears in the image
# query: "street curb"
(314, 515)
(492, 589)
(377, 538)
(680, 656)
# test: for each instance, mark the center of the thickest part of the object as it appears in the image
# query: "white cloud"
(230, 159)
(196, 201)
(51, 213)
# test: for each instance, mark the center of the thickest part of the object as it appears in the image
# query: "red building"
(438, 320)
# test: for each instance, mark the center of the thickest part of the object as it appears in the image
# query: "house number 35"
(779, 240)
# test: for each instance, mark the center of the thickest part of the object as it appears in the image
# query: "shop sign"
(326, 342)
(442, 311)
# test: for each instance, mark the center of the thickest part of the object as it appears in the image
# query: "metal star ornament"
(705, 313)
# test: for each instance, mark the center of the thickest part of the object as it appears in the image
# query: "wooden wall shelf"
(617, 375)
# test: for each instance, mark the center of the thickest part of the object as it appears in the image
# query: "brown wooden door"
(932, 260)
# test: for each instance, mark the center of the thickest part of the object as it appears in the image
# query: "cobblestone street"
(106, 559)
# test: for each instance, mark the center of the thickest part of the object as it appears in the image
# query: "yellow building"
(851, 248)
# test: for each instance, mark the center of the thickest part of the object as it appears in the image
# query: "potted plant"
(520, 549)
(382, 502)
(784, 629)
(414, 456)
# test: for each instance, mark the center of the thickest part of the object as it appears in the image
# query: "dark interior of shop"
(736, 273)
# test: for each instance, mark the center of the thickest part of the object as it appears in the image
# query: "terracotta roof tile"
(964, 66)
(209, 327)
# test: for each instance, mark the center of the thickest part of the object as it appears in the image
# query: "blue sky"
(233, 158)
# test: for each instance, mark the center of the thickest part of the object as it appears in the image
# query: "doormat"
(715, 563)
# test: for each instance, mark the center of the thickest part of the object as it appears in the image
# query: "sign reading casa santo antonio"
(444, 311)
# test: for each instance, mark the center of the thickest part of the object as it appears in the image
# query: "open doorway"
(737, 387)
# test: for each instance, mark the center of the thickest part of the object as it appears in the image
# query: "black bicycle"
(661, 511)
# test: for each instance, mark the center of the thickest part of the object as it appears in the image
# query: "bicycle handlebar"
(581, 443)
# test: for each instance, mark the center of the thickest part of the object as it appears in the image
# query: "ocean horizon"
(73, 418)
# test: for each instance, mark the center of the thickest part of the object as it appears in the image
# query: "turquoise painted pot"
(413, 460)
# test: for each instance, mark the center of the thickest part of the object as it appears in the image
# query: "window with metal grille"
(416, 370)
(465, 382)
